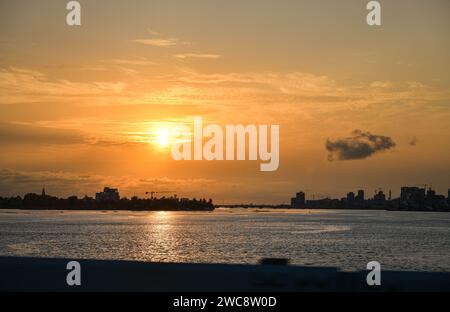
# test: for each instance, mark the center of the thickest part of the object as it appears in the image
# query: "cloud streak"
(359, 146)
(11, 133)
(23, 85)
(210, 56)
(157, 42)
(138, 61)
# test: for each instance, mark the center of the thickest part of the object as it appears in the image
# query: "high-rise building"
(350, 197)
(108, 194)
(412, 194)
(360, 196)
(300, 198)
(298, 201)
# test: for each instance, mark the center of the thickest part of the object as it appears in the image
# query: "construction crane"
(157, 192)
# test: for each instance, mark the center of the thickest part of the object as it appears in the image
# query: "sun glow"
(163, 134)
(163, 137)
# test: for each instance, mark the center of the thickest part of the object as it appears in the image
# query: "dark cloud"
(13, 182)
(18, 133)
(21, 133)
(360, 145)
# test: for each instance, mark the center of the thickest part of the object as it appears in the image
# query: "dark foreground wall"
(37, 274)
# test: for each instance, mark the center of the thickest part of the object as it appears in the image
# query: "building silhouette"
(298, 201)
(108, 194)
(350, 197)
(431, 194)
(412, 194)
(379, 198)
(360, 196)
(108, 199)
(411, 198)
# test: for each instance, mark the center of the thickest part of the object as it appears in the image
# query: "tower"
(43, 192)
(360, 196)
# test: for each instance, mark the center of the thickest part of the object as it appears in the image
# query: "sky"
(358, 106)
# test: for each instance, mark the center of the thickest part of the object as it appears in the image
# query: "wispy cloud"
(73, 132)
(22, 85)
(381, 84)
(154, 32)
(198, 55)
(141, 61)
(14, 133)
(157, 42)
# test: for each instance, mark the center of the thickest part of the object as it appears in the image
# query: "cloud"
(184, 56)
(157, 42)
(23, 85)
(65, 133)
(141, 61)
(13, 133)
(359, 146)
(153, 32)
(381, 84)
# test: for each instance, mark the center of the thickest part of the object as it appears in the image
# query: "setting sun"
(162, 137)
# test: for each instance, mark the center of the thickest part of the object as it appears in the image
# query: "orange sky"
(83, 107)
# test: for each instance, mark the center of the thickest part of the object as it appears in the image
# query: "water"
(345, 239)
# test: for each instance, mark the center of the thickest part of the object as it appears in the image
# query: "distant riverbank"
(45, 202)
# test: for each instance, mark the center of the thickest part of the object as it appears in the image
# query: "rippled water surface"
(344, 239)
